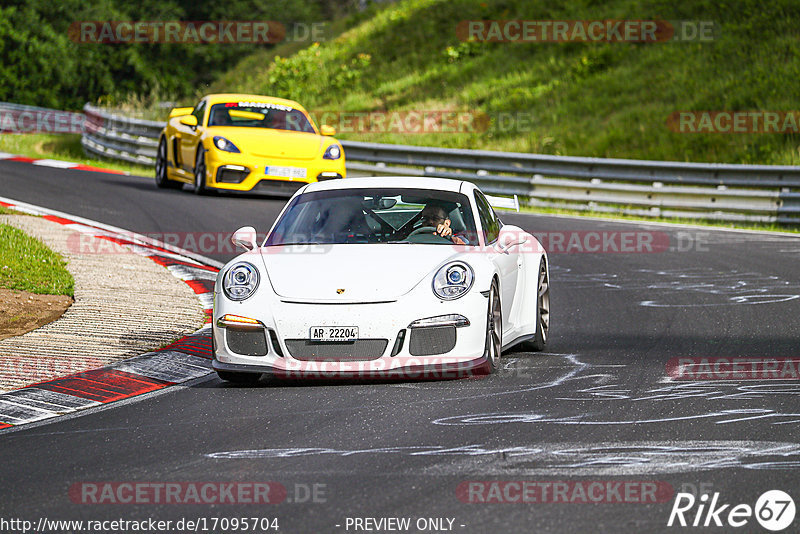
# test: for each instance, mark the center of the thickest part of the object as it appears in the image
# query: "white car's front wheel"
(542, 311)
(494, 331)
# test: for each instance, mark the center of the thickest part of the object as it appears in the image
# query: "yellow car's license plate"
(285, 172)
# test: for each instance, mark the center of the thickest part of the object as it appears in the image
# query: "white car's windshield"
(376, 216)
(259, 115)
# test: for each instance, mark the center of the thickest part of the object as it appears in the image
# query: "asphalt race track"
(598, 407)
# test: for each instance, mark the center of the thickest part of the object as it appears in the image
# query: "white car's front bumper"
(286, 351)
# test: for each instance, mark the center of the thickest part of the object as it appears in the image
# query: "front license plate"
(285, 172)
(333, 333)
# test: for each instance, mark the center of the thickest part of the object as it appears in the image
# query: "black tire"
(162, 180)
(200, 172)
(539, 341)
(494, 331)
(239, 378)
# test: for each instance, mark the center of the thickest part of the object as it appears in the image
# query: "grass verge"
(8, 211)
(26, 264)
(65, 147)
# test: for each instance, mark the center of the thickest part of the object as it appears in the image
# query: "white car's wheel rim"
(544, 302)
(495, 326)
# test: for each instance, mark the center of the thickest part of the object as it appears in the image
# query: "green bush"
(40, 65)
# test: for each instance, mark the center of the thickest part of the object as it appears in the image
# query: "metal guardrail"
(752, 193)
(22, 119)
(118, 137)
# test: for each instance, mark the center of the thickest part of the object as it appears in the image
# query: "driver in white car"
(435, 216)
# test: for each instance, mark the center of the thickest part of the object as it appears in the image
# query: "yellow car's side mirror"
(327, 130)
(179, 112)
(189, 120)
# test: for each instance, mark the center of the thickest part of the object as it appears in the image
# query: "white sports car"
(389, 277)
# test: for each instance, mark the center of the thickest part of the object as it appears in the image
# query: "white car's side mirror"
(245, 237)
(511, 236)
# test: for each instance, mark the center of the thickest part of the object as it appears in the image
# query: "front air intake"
(273, 339)
(353, 351)
(432, 340)
(246, 341)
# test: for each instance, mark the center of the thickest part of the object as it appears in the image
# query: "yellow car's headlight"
(225, 145)
(333, 152)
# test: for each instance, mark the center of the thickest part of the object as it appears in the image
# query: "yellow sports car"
(236, 142)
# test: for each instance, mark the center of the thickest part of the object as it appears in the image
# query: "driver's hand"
(444, 229)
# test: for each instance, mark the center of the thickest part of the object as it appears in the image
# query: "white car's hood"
(351, 273)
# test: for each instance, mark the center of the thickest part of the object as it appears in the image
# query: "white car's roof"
(411, 182)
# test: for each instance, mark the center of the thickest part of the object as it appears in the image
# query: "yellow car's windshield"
(259, 115)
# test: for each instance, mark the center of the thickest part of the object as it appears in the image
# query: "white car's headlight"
(241, 281)
(453, 280)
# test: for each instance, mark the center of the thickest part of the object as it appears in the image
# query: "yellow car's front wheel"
(162, 179)
(200, 172)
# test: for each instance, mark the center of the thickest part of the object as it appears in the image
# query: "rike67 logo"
(774, 510)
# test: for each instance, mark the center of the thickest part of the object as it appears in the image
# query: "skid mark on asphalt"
(608, 458)
(607, 389)
(680, 288)
(573, 368)
(610, 398)
(673, 391)
(481, 386)
(605, 458)
(721, 417)
(698, 287)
